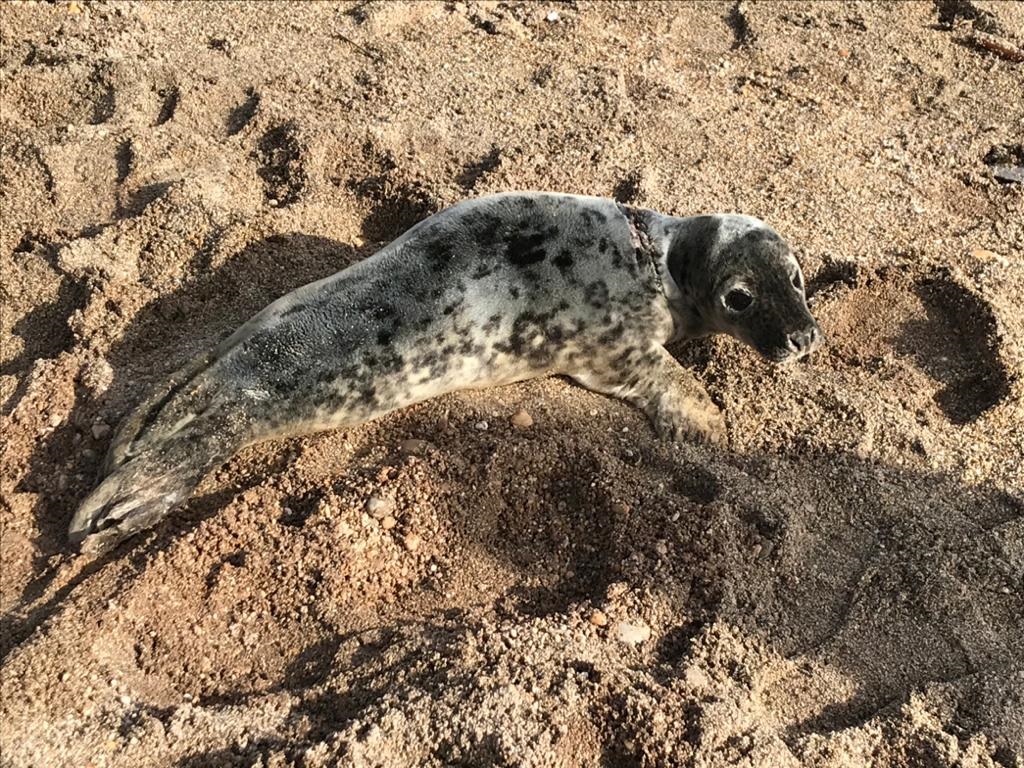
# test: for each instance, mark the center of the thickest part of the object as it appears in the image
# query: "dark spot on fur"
(532, 278)
(593, 217)
(513, 291)
(689, 251)
(293, 309)
(437, 253)
(602, 245)
(596, 294)
(485, 226)
(384, 338)
(523, 250)
(622, 360)
(526, 327)
(613, 334)
(563, 261)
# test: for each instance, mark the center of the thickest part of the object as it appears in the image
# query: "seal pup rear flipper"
(143, 489)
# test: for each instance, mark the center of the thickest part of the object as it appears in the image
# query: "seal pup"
(487, 292)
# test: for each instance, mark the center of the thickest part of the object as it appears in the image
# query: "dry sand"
(842, 586)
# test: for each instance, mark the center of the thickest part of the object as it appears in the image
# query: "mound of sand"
(843, 586)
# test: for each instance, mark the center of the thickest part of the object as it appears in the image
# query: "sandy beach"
(841, 585)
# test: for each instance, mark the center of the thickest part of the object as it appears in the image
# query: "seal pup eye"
(798, 281)
(738, 300)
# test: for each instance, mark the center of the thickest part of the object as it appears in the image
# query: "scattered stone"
(1006, 162)
(413, 446)
(97, 375)
(696, 678)
(661, 547)
(632, 634)
(552, 16)
(412, 541)
(101, 430)
(482, 426)
(522, 419)
(598, 618)
(388, 523)
(379, 506)
(620, 508)
(1009, 173)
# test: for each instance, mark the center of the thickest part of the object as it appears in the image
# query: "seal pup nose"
(805, 341)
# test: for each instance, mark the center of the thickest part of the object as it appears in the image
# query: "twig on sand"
(997, 45)
(365, 51)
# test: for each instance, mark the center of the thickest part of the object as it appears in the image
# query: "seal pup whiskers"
(490, 291)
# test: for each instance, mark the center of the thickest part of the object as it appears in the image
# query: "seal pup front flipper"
(673, 399)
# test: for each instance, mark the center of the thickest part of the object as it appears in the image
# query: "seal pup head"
(736, 275)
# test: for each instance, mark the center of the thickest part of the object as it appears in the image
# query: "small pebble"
(598, 618)
(412, 541)
(632, 634)
(388, 523)
(981, 254)
(620, 508)
(661, 548)
(100, 430)
(553, 16)
(379, 506)
(482, 426)
(522, 419)
(413, 446)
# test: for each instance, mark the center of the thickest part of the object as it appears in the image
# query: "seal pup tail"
(144, 488)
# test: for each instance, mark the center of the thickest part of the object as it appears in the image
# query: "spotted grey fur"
(490, 291)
